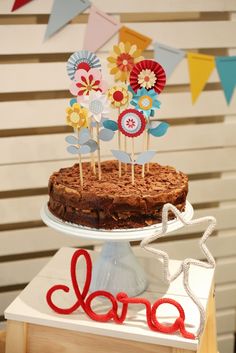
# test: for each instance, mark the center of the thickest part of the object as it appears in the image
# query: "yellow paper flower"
(119, 96)
(77, 116)
(122, 60)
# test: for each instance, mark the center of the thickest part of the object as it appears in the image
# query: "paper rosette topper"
(148, 74)
(82, 59)
(122, 60)
(131, 123)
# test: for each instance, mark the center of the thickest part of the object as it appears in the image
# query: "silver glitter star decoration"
(186, 263)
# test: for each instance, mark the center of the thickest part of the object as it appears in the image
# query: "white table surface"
(31, 306)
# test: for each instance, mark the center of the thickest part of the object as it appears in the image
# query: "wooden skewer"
(80, 167)
(148, 144)
(93, 165)
(132, 165)
(144, 148)
(119, 145)
(99, 154)
(125, 148)
(81, 171)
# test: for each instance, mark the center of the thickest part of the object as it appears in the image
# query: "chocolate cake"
(114, 202)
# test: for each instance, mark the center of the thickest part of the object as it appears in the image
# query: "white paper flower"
(97, 105)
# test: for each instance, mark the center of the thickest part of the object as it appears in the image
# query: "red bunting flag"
(18, 4)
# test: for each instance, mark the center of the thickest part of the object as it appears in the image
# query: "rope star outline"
(186, 263)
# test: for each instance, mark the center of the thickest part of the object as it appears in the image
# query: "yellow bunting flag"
(200, 68)
(129, 35)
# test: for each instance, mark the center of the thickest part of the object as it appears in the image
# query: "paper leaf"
(71, 139)
(95, 123)
(111, 125)
(73, 101)
(72, 149)
(153, 124)
(84, 149)
(122, 156)
(106, 135)
(145, 157)
(84, 136)
(92, 145)
(160, 130)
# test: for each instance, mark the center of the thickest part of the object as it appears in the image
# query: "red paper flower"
(148, 74)
(131, 123)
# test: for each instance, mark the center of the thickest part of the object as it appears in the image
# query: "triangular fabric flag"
(226, 67)
(168, 57)
(129, 35)
(101, 27)
(19, 3)
(200, 68)
(62, 12)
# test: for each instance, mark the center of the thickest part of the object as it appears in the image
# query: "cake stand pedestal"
(116, 269)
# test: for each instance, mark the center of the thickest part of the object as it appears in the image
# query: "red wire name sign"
(85, 302)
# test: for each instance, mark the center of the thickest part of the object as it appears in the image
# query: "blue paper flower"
(146, 101)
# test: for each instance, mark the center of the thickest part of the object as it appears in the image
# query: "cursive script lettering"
(85, 302)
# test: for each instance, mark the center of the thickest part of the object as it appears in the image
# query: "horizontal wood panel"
(211, 190)
(225, 320)
(226, 270)
(21, 271)
(53, 147)
(51, 112)
(124, 6)
(21, 176)
(226, 343)
(31, 176)
(31, 77)
(220, 246)
(34, 240)
(226, 296)
(224, 217)
(30, 39)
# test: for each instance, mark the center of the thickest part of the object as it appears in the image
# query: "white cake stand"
(116, 269)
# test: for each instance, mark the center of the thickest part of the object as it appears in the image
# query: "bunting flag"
(19, 3)
(200, 68)
(226, 67)
(168, 57)
(101, 27)
(129, 35)
(63, 12)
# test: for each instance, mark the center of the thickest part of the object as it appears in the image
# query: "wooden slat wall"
(201, 141)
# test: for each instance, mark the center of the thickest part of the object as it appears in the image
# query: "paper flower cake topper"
(136, 101)
(118, 96)
(122, 60)
(86, 82)
(76, 116)
(146, 101)
(131, 123)
(82, 60)
(148, 74)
